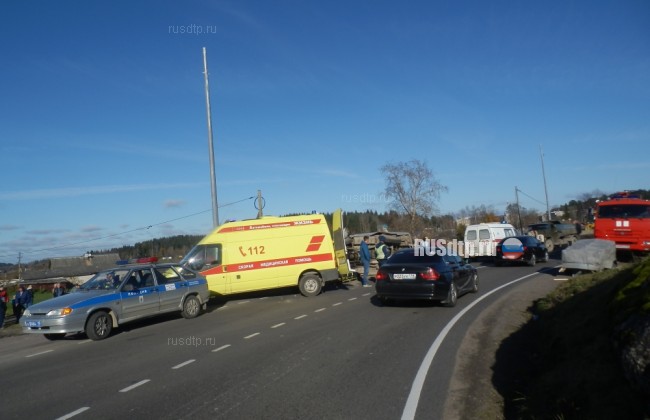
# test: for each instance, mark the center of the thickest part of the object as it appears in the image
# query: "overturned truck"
(395, 240)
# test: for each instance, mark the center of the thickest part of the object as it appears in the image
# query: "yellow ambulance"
(272, 252)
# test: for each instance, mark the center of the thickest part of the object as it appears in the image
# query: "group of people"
(382, 252)
(23, 299)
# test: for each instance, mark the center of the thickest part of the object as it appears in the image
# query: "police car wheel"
(54, 336)
(310, 285)
(99, 326)
(191, 307)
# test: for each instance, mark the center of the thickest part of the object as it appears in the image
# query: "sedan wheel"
(532, 261)
(474, 288)
(452, 297)
(99, 326)
(191, 307)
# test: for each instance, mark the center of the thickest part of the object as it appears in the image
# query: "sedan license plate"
(33, 324)
(403, 276)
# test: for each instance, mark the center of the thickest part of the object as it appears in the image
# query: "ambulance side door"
(215, 269)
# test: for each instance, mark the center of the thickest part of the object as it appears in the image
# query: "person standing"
(19, 302)
(58, 290)
(578, 226)
(382, 251)
(364, 254)
(3, 306)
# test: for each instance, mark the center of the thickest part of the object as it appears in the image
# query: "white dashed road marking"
(184, 364)
(38, 354)
(129, 388)
(225, 346)
(74, 413)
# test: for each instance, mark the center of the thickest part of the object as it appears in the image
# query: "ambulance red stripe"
(259, 265)
(315, 243)
(295, 223)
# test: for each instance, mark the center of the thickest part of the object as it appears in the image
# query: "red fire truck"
(625, 219)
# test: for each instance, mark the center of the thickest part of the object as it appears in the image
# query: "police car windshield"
(105, 280)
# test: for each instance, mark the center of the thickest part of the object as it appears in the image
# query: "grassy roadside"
(570, 369)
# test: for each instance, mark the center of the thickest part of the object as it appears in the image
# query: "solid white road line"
(416, 389)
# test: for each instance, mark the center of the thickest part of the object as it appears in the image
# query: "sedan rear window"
(414, 256)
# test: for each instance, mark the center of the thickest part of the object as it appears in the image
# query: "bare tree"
(480, 214)
(520, 216)
(413, 188)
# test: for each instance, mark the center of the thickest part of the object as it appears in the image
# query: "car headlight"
(27, 313)
(60, 312)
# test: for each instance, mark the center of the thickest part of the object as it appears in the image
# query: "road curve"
(340, 355)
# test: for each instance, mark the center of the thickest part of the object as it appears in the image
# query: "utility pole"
(260, 205)
(518, 211)
(20, 268)
(213, 179)
(548, 210)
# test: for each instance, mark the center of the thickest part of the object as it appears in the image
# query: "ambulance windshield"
(203, 256)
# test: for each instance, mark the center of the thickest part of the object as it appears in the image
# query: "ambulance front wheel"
(310, 285)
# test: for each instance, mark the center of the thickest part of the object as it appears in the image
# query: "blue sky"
(103, 120)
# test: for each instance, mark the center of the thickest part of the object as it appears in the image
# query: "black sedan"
(412, 274)
(523, 248)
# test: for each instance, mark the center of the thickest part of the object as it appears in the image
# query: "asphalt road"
(340, 355)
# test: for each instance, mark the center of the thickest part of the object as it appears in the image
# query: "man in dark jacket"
(21, 301)
(3, 305)
(364, 254)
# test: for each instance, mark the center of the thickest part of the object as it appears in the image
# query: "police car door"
(139, 295)
(171, 287)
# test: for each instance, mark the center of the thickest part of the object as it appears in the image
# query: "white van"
(481, 240)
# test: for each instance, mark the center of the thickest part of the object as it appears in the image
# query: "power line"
(70, 245)
(532, 198)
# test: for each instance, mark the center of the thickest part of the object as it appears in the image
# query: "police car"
(117, 296)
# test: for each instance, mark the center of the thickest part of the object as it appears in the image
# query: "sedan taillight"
(430, 274)
(381, 275)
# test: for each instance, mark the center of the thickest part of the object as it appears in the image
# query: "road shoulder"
(472, 393)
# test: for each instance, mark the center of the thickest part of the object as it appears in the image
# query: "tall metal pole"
(548, 209)
(521, 227)
(213, 179)
(260, 212)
